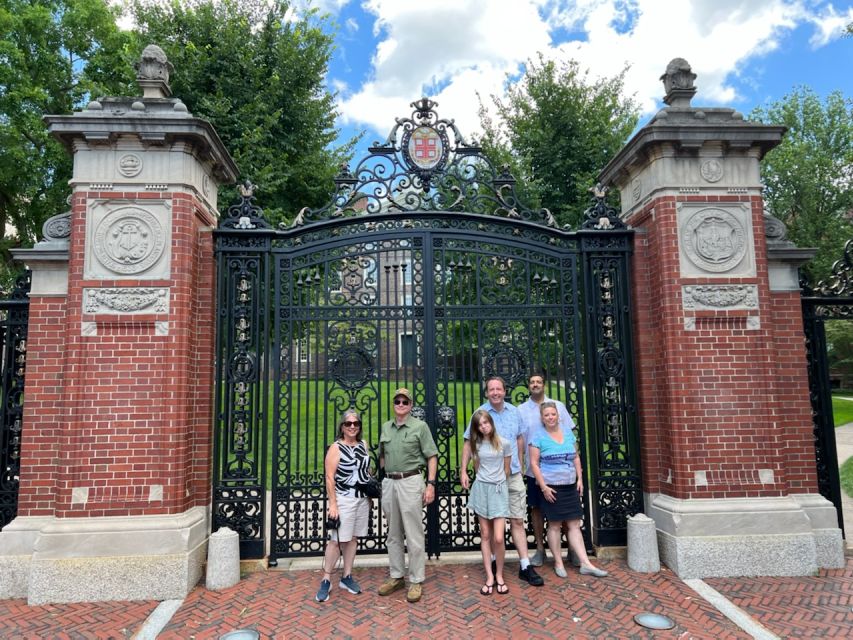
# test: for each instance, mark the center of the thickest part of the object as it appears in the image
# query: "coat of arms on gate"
(425, 147)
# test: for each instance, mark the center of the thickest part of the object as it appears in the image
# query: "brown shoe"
(415, 592)
(391, 585)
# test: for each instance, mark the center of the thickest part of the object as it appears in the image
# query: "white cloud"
(452, 49)
(448, 48)
(829, 25)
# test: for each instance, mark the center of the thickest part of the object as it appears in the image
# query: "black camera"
(332, 524)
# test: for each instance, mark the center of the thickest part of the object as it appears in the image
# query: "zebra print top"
(354, 466)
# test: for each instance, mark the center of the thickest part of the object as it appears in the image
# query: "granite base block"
(731, 556)
(92, 579)
(829, 546)
(14, 576)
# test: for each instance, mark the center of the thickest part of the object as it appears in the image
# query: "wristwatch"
(432, 482)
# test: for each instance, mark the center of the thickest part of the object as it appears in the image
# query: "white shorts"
(354, 513)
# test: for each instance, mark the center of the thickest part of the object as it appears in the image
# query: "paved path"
(279, 604)
(844, 447)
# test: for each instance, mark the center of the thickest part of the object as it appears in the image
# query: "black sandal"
(486, 590)
(502, 588)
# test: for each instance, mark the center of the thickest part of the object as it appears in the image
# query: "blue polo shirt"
(509, 426)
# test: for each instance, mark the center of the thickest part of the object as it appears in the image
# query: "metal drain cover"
(241, 634)
(653, 621)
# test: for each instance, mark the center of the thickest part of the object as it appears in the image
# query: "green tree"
(257, 72)
(808, 178)
(556, 128)
(54, 55)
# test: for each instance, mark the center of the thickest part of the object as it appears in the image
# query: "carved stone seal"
(129, 241)
(714, 240)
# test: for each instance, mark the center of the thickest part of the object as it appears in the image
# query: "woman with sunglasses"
(347, 463)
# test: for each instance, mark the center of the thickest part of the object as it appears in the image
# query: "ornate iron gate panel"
(14, 315)
(425, 272)
(830, 300)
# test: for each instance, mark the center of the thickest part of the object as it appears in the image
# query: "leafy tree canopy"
(257, 72)
(556, 128)
(808, 178)
(54, 54)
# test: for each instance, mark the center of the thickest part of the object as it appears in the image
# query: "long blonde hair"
(477, 437)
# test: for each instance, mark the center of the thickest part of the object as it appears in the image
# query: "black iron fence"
(14, 315)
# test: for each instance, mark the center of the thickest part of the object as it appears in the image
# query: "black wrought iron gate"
(827, 301)
(424, 272)
(14, 315)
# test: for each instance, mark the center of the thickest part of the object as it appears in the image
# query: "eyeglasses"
(401, 401)
(349, 423)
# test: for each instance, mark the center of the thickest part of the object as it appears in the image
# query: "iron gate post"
(614, 451)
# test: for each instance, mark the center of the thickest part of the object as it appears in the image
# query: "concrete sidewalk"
(844, 448)
(280, 604)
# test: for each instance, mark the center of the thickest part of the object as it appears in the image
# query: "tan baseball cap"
(402, 391)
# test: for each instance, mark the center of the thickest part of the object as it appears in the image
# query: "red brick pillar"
(726, 430)
(117, 448)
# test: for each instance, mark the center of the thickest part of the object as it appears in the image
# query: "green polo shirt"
(406, 447)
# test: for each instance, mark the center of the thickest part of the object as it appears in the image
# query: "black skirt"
(566, 507)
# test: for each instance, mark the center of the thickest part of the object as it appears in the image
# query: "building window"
(302, 350)
(408, 353)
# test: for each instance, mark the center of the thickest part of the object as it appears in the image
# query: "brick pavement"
(803, 607)
(77, 621)
(279, 604)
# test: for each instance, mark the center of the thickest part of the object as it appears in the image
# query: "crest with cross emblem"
(425, 147)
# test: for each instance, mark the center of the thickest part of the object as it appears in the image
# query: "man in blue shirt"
(509, 426)
(531, 423)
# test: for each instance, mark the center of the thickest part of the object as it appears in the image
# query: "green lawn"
(846, 473)
(842, 410)
(313, 408)
(313, 411)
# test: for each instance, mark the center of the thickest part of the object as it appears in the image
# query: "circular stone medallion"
(425, 147)
(129, 241)
(714, 240)
(130, 165)
(711, 170)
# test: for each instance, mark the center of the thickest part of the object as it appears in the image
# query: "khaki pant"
(402, 502)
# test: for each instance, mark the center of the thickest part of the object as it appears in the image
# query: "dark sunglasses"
(401, 401)
(349, 423)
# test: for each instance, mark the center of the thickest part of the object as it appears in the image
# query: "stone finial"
(152, 73)
(678, 83)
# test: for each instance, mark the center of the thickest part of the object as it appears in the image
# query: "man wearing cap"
(406, 446)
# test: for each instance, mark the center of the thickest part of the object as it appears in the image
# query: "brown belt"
(403, 474)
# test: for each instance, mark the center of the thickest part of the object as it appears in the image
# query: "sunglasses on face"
(401, 401)
(349, 423)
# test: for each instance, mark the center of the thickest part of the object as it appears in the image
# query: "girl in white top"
(489, 497)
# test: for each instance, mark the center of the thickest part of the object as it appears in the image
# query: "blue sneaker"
(349, 584)
(323, 593)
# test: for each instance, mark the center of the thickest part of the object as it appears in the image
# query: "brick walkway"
(279, 604)
(823, 604)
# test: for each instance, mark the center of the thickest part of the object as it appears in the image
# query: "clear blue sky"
(745, 53)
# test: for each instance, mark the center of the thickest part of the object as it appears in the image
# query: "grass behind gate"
(842, 410)
(313, 409)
